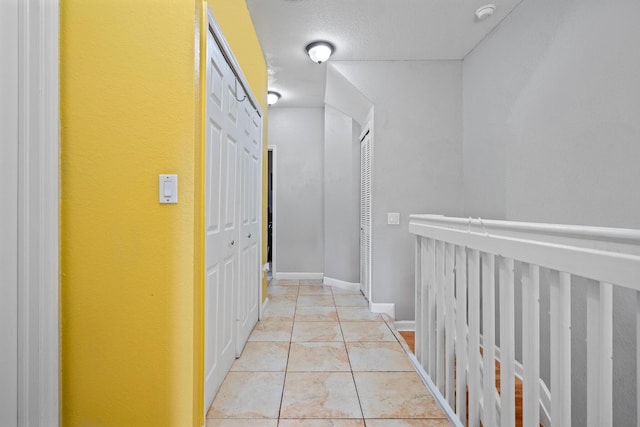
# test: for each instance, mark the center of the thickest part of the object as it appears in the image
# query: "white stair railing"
(462, 264)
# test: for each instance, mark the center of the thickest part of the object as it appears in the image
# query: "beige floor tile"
(284, 282)
(316, 314)
(318, 357)
(283, 299)
(351, 301)
(315, 290)
(283, 311)
(272, 330)
(248, 395)
(312, 282)
(365, 331)
(320, 423)
(399, 395)
(316, 331)
(212, 422)
(315, 301)
(320, 395)
(263, 357)
(277, 290)
(378, 356)
(351, 314)
(408, 423)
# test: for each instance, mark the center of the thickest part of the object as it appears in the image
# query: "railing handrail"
(629, 236)
(609, 255)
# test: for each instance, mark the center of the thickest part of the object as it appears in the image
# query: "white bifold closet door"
(232, 203)
(365, 214)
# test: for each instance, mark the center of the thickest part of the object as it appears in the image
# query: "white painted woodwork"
(9, 215)
(507, 344)
(418, 340)
(233, 173)
(560, 297)
(638, 356)
(366, 164)
(461, 331)
(250, 195)
(29, 213)
(474, 337)
(595, 253)
(489, 339)
(531, 345)
(599, 354)
(440, 315)
(431, 280)
(450, 328)
(221, 231)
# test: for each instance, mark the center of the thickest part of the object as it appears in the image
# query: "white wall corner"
(299, 276)
(405, 325)
(384, 308)
(341, 284)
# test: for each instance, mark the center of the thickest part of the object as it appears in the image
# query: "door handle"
(249, 236)
(233, 242)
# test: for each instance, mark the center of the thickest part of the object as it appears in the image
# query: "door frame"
(274, 181)
(38, 207)
(368, 130)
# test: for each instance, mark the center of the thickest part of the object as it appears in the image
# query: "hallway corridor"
(319, 358)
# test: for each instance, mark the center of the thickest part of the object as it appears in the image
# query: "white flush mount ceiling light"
(485, 11)
(272, 97)
(319, 51)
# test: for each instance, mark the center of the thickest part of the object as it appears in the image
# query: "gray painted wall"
(417, 160)
(298, 134)
(341, 198)
(551, 134)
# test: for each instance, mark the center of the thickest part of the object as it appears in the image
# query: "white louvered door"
(365, 214)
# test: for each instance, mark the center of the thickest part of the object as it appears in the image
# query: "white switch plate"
(393, 218)
(168, 188)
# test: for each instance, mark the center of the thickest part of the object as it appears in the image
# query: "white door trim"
(38, 213)
(274, 181)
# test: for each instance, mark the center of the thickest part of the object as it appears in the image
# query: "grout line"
(353, 378)
(286, 368)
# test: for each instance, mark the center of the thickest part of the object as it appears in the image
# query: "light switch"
(168, 188)
(393, 218)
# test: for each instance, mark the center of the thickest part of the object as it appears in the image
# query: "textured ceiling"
(362, 30)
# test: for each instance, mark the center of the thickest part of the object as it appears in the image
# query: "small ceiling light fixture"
(485, 11)
(272, 97)
(320, 51)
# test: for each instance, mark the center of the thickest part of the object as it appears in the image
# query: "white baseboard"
(405, 325)
(298, 276)
(341, 284)
(263, 307)
(386, 308)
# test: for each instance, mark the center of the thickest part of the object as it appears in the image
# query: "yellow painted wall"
(131, 302)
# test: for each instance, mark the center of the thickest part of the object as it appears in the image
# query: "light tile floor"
(319, 358)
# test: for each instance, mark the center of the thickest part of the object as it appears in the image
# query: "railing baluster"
(440, 381)
(560, 298)
(599, 353)
(531, 345)
(461, 332)
(638, 358)
(431, 271)
(474, 338)
(507, 344)
(450, 323)
(489, 338)
(422, 330)
(418, 298)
